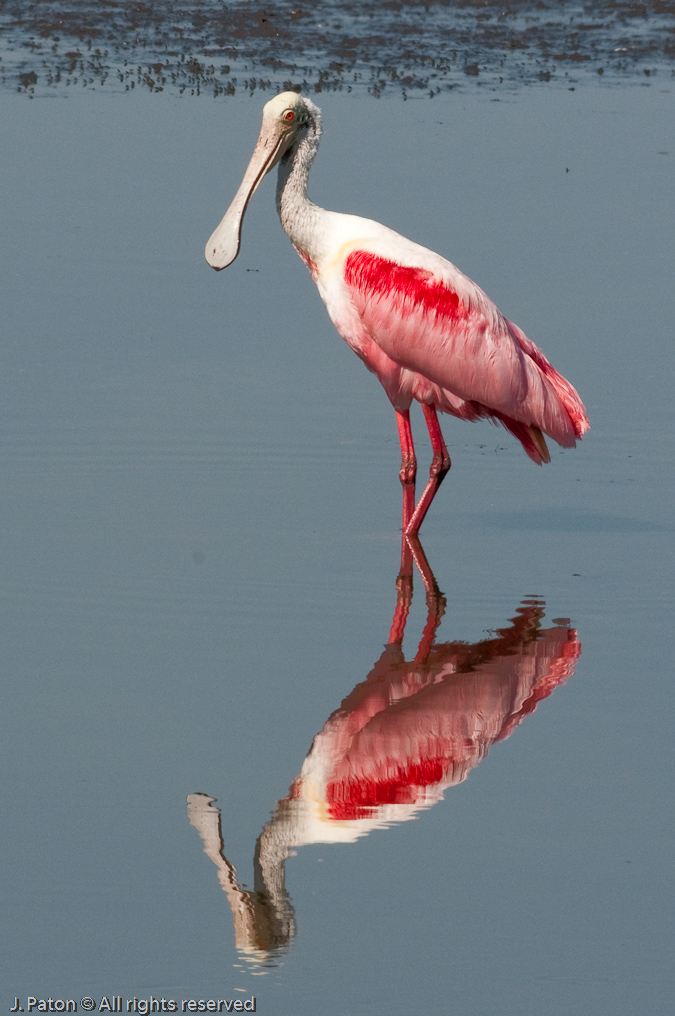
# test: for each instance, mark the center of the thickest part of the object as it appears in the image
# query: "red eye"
(289, 115)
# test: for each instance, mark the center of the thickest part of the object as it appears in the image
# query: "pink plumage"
(457, 353)
(425, 329)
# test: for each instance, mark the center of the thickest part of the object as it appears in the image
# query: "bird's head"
(285, 120)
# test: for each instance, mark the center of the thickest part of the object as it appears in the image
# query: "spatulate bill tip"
(219, 256)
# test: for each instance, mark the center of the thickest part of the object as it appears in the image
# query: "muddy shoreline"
(411, 48)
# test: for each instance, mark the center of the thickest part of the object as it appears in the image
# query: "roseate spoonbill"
(425, 329)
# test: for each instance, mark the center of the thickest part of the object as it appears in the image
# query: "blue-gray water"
(199, 516)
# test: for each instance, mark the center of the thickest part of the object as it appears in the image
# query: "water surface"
(200, 511)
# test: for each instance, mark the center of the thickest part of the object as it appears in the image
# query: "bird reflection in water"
(396, 743)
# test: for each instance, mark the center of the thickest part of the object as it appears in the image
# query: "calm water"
(199, 519)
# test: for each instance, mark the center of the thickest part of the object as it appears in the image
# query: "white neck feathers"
(299, 216)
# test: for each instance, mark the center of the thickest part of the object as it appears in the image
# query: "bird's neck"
(300, 218)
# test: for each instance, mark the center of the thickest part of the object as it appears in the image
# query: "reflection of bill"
(397, 742)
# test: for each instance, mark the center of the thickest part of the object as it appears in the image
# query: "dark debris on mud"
(408, 46)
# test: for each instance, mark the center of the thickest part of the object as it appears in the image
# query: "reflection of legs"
(412, 553)
(404, 589)
(408, 469)
(435, 600)
(440, 465)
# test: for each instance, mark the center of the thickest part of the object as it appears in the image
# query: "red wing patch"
(358, 798)
(408, 289)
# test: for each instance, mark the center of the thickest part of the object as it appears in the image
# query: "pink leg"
(440, 464)
(408, 470)
(407, 476)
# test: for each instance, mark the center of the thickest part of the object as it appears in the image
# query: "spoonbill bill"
(425, 329)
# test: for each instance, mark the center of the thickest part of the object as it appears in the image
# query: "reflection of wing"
(413, 729)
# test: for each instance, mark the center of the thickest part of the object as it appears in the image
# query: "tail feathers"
(539, 442)
(567, 394)
(530, 437)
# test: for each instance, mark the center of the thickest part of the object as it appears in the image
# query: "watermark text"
(141, 1006)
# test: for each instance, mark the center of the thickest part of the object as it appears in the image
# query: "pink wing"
(457, 350)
